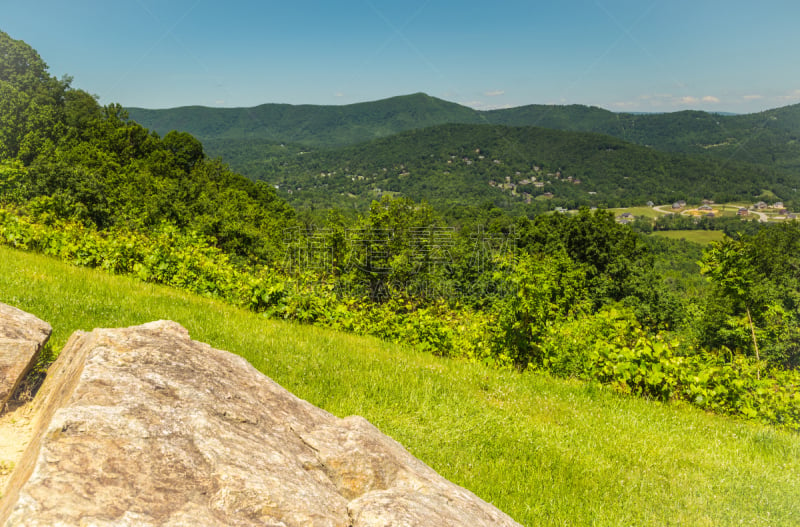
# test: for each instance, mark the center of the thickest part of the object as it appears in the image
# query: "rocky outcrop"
(22, 337)
(143, 426)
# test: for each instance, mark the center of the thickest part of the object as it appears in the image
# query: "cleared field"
(647, 212)
(696, 236)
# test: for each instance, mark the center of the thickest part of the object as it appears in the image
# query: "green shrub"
(545, 322)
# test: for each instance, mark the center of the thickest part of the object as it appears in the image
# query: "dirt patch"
(15, 434)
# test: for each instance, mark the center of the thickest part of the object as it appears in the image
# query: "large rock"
(22, 337)
(143, 426)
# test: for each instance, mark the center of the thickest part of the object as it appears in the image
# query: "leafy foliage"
(756, 296)
(65, 157)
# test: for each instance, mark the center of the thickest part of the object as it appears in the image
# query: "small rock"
(22, 337)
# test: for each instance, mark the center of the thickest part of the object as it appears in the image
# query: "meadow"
(697, 236)
(546, 451)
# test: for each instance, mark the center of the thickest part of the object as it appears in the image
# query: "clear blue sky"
(633, 55)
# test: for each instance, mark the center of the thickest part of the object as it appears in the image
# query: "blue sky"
(623, 55)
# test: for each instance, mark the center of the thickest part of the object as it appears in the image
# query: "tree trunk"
(755, 343)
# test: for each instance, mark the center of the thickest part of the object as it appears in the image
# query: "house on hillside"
(778, 205)
(679, 204)
(760, 205)
(705, 208)
(650, 204)
(742, 212)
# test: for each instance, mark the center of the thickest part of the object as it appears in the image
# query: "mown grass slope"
(548, 452)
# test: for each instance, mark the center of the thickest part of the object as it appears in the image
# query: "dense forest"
(63, 155)
(318, 126)
(579, 295)
(760, 150)
(522, 169)
(769, 137)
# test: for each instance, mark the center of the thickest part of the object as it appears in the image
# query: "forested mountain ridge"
(769, 137)
(311, 125)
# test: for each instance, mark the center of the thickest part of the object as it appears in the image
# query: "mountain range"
(699, 154)
(761, 137)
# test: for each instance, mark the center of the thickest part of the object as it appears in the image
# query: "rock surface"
(22, 337)
(143, 426)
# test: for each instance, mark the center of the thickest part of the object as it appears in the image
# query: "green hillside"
(769, 137)
(264, 143)
(546, 451)
(520, 168)
(308, 124)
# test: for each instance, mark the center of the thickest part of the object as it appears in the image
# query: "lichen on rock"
(144, 426)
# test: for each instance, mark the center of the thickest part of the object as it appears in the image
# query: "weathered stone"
(22, 337)
(143, 426)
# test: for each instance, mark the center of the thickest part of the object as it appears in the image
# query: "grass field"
(547, 451)
(646, 212)
(697, 236)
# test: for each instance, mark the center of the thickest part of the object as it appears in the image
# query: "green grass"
(547, 451)
(646, 212)
(697, 236)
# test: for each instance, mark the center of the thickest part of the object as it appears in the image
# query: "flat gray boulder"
(22, 337)
(143, 426)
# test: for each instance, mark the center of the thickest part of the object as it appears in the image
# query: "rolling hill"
(525, 168)
(309, 125)
(769, 137)
(320, 156)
